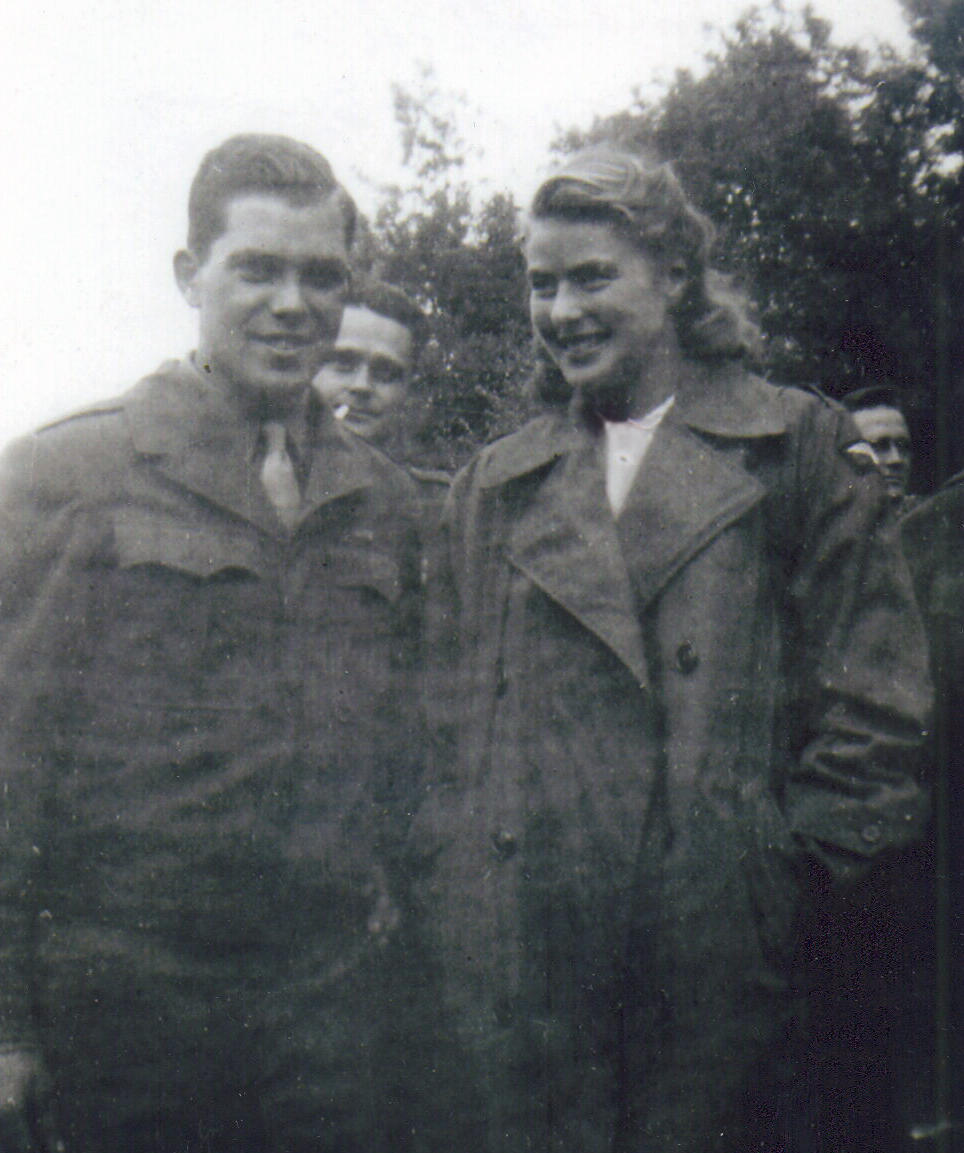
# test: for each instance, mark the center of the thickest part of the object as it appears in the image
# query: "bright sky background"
(108, 106)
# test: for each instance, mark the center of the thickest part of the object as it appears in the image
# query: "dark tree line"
(833, 177)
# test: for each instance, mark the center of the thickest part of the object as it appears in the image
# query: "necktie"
(278, 474)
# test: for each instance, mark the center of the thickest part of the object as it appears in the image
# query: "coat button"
(871, 834)
(687, 658)
(504, 844)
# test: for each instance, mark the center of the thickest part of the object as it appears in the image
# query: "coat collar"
(690, 487)
(192, 433)
(565, 541)
(722, 400)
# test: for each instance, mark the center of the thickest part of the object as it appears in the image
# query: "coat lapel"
(185, 430)
(686, 492)
(197, 441)
(565, 541)
(338, 469)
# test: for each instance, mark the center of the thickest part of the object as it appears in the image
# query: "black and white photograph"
(482, 577)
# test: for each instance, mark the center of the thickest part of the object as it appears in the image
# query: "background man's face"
(885, 430)
(269, 293)
(366, 376)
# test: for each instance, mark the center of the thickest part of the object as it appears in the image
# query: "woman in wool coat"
(681, 686)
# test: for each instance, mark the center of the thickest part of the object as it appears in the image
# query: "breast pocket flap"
(356, 568)
(146, 538)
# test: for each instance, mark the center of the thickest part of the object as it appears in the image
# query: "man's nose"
(566, 304)
(288, 298)
(361, 380)
(889, 453)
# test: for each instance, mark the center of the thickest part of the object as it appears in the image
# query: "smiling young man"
(206, 628)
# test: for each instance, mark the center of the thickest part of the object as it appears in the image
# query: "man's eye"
(342, 362)
(541, 286)
(256, 271)
(324, 277)
(386, 374)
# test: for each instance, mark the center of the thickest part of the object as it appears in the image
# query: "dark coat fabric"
(933, 536)
(661, 730)
(203, 766)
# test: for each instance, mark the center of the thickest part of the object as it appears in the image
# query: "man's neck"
(288, 406)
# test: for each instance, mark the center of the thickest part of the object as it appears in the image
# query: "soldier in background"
(367, 378)
(878, 414)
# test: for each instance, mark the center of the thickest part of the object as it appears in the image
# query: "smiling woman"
(661, 617)
(621, 295)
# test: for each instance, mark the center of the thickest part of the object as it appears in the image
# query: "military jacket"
(205, 715)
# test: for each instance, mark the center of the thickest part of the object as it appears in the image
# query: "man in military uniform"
(206, 621)
(367, 378)
(880, 419)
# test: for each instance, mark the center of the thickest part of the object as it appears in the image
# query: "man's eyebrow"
(383, 360)
(247, 255)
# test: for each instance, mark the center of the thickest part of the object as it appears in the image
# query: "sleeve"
(38, 600)
(862, 694)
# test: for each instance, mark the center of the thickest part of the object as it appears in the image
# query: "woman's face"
(599, 305)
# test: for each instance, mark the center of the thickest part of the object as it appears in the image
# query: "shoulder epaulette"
(105, 408)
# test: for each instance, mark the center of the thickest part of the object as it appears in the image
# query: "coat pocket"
(772, 867)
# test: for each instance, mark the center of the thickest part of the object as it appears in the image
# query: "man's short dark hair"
(874, 396)
(254, 163)
(387, 300)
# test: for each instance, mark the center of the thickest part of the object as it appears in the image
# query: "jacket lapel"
(185, 430)
(565, 541)
(686, 492)
(339, 467)
(198, 442)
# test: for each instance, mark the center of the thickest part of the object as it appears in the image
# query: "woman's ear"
(186, 268)
(676, 279)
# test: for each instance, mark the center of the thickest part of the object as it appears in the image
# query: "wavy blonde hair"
(645, 201)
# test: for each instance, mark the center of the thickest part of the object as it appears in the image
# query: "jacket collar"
(688, 490)
(193, 434)
(722, 400)
(565, 541)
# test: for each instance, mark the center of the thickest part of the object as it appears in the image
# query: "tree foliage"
(462, 263)
(833, 177)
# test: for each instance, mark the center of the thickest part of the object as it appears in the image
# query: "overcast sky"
(109, 105)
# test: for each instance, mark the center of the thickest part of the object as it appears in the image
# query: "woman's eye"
(593, 281)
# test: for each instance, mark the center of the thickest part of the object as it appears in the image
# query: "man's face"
(885, 430)
(269, 294)
(366, 376)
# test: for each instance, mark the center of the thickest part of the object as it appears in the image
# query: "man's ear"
(186, 268)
